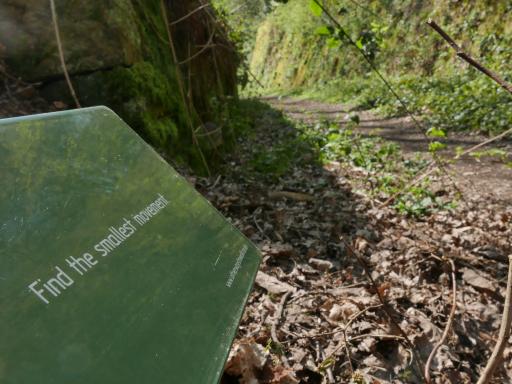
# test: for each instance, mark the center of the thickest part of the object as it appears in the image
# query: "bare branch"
(189, 14)
(275, 324)
(478, 146)
(205, 47)
(385, 305)
(61, 54)
(506, 324)
(466, 57)
(447, 327)
(181, 85)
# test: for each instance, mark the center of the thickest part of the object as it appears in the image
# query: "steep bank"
(290, 50)
(299, 53)
(118, 54)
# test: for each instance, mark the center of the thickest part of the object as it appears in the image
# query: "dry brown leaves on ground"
(315, 317)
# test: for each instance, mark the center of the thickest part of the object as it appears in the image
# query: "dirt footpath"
(486, 178)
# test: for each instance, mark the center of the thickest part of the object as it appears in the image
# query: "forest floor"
(351, 290)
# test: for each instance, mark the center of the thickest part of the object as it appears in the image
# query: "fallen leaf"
(477, 280)
(272, 284)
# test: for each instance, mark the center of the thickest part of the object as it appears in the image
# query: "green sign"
(113, 269)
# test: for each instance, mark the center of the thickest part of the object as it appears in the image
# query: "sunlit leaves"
(315, 8)
(333, 42)
(324, 30)
(436, 146)
(436, 132)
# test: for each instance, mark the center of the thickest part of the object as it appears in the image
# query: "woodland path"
(309, 220)
(485, 177)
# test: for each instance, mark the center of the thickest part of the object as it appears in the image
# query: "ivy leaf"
(324, 30)
(436, 146)
(436, 132)
(333, 42)
(315, 8)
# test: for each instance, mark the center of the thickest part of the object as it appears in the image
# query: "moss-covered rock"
(95, 35)
(118, 54)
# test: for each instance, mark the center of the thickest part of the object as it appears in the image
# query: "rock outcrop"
(118, 54)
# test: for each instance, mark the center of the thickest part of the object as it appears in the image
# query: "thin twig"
(448, 324)
(61, 54)
(275, 324)
(189, 14)
(431, 168)
(494, 76)
(506, 324)
(376, 336)
(252, 75)
(373, 67)
(181, 86)
(395, 94)
(470, 60)
(204, 49)
(232, 49)
(385, 305)
(346, 328)
(478, 146)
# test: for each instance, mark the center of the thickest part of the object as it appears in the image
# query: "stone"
(95, 36)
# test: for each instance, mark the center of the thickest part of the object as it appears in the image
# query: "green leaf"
(326, 364)
(323, 31)
(359, 43)
(315, 8)
(436, 146)
(436, 132)
(333, 42)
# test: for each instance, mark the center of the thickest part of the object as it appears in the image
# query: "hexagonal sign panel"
(113, 269)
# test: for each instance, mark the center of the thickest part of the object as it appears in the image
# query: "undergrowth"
(301, 51)
(380, 166)
(453, 103)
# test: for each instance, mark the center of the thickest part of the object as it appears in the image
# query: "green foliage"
(337, 144)
(357, 378)
(329, 362)
(316, 9)
(435, 132)
(242, 18)
(420, 201)
(468, 101)
(388, 171)
(436, 146)
(277, 160)
(495, 153)
(296, 51)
